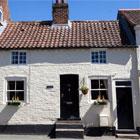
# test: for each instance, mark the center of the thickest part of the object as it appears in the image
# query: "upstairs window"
(99, 57)
(15, 90)
(18, 57)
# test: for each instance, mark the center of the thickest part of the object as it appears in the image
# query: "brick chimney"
(5, 10)
(60, 12)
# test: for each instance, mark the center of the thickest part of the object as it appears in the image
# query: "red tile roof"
(131, 15)
(33, 35)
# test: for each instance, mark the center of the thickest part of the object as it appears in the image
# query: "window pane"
(103, 94)
(22, 58)
(95, 57)
(94, 84)
(94, 95)
(102, 56)
(11, 85)
(103, 84)
(10, 95)
(20, 95)
(123, 83)
(14, 57)
(19, 85)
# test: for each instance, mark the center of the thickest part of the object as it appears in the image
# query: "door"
(69, 96)
(124, 108)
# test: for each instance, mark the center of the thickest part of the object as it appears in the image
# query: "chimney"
(60, 12)
(5, 10)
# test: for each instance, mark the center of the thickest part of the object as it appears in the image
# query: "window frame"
(18, 51)
(16, 79)
(98, 78)
(99, 56)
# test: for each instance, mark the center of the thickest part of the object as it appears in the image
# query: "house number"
(49, 87)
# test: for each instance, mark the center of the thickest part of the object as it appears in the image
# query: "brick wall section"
(60, 13)
(4, 4)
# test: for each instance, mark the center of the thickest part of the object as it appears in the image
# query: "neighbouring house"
(130, 21)
(63, 71)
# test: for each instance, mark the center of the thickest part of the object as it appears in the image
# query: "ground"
(45, 137)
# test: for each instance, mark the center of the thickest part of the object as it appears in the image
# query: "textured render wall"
(45, 67)
(137, 31)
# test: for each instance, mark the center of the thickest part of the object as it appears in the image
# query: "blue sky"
(26, 10)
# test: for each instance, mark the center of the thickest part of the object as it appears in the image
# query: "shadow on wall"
(119, 57)
(91, 117)
(7, 113)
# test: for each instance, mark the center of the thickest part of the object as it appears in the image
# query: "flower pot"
(14, 103)
(84, 91)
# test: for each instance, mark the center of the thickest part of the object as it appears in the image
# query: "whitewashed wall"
(45, 67)
(137, 33)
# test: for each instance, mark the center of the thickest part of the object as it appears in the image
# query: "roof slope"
(131, 15)
(33, 35)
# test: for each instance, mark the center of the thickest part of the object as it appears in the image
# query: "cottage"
(63, 72)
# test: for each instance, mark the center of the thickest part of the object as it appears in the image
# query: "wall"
(137, 33)
(45, 67)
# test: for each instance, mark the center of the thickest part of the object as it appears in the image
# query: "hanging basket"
(84, 90)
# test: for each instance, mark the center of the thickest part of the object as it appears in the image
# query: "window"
(15, 90)
(123, 83)
(18, 57)
(99, 88)
(99, 57)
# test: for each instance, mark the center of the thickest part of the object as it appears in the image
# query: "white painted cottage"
(44, 65)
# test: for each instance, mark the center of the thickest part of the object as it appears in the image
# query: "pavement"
(45, 137)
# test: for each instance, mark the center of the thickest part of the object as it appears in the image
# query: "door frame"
(77, 93)
(133, 97)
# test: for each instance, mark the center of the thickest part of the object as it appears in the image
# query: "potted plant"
(84, 89)
(15, 101)
(100, 101)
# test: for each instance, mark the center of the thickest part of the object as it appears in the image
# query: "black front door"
(124, 108)
(69, 96)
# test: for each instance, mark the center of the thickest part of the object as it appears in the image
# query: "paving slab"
(45, 137)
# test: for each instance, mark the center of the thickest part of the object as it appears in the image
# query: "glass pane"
(123, 83)
(102, 56)
(19, 85)
(95, 57)
(94, 84)
(20, 95)
(10, 95)
(22, 58)
(103, 94)
(103, 84)
(94, 95)
(14, 57)
(11, 85)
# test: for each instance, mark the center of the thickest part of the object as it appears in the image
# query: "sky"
(30, 10)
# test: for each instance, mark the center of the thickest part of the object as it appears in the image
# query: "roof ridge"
(137, 9)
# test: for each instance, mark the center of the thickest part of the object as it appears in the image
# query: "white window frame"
(99, 58)
(16, 79)
(98, 78)
(19, 51)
